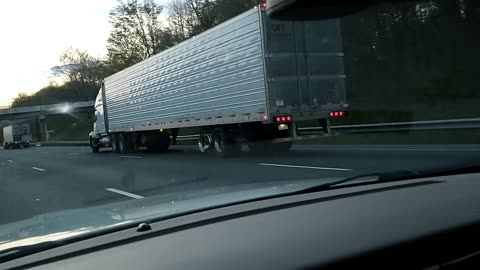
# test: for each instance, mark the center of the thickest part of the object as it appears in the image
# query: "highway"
(44, 179)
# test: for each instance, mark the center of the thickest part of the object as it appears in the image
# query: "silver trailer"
(247, 80)
(16, 136)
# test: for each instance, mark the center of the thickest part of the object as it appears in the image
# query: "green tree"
(137, 33)
(22, 99)
(78, 67)
(188, 18)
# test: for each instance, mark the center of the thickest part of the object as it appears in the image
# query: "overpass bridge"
(40, 113)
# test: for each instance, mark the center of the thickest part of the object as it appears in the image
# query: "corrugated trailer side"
(214, 78)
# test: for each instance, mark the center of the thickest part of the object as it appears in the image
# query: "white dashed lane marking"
(124, 193)
(303, 167)
(134, 157)
(38, 169)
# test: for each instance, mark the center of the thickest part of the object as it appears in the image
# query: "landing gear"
(114, 139)
(123, 143)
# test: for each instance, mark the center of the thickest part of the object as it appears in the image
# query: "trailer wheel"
(114, 140)
(222, 143)
(205, 142)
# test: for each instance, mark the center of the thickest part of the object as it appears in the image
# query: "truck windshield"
(187, 103)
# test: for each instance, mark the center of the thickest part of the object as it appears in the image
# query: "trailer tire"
(114, 140)
(223, 144)
(205, 142)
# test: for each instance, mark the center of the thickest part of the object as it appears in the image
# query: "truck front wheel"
(94, 147)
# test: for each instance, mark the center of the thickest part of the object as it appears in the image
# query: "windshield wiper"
(396, 175)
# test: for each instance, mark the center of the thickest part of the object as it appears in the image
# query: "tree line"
(413, 52)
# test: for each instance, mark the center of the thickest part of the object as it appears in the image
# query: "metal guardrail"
(388, 127)
(405, 126)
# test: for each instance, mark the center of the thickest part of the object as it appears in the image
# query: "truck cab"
(99, 135)
(16, 136)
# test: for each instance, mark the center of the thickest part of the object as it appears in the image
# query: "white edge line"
(38, 169)
(303, 167)
(135, 157)
(128, 194)
(11, 161)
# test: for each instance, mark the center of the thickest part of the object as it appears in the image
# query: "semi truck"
(249, 80)
(16, 136)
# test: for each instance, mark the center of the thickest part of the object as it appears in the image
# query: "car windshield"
(120, 111)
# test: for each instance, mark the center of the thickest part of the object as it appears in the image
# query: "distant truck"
(249, 80)
(16, 136)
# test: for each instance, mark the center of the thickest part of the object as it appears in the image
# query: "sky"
(34, 33)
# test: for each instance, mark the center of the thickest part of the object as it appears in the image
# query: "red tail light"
(286, 118)
(337, 114)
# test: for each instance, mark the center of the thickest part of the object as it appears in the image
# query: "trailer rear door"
(304, 66)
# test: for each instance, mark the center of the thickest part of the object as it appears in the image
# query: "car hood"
(63, 224)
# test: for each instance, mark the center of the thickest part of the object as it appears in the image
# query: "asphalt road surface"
(44, 179)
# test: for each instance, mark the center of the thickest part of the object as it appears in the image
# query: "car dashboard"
(431, 223)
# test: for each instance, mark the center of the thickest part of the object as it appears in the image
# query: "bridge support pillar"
(42, 123)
